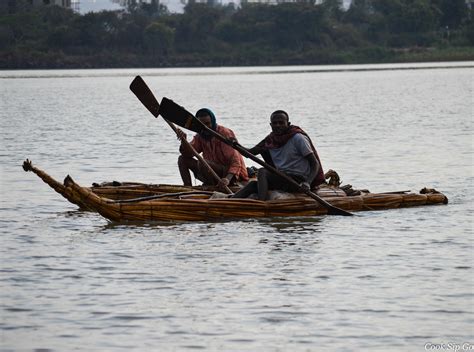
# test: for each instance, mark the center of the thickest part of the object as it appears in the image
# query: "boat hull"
(138, 202)
(191, 209)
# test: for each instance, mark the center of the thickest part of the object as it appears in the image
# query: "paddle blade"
(179, 115)
(144, 94)
(338, 211)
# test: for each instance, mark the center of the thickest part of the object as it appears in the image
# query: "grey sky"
(173, 5)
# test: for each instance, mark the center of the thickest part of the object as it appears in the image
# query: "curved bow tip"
(27, 165)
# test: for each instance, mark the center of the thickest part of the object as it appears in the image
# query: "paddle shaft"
(189, 121)
(145, 95)
(199, 157)
(331, 208)
(176, 113)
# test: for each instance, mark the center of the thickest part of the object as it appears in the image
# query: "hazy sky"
(97, 5)
(173, 5)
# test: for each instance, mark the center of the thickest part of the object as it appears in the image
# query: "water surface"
(380, 281)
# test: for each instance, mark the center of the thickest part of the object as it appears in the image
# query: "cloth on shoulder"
(274, 140)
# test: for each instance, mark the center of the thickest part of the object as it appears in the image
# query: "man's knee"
(262, 173)
(201, 168)
(183, 160)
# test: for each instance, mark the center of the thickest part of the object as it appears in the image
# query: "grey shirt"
(290, 158)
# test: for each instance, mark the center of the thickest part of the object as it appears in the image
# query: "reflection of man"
(223, 159)
(291, 151)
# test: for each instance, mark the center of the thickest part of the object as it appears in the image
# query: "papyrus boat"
(138, 202)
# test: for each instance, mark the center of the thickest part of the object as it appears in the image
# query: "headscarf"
(202, 112)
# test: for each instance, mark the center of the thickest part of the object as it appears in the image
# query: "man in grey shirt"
(289, 149)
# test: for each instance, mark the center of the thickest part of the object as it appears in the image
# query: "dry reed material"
(194, 206)
(195, 209)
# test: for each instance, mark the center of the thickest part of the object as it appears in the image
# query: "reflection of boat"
(142, 202)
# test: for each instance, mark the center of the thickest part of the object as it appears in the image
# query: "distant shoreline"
(221, 36)
(230, 70)
(9, 61)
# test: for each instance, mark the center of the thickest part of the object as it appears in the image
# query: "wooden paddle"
(145, 95)
(179, 115)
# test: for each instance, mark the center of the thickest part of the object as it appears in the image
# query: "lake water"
(397, 280)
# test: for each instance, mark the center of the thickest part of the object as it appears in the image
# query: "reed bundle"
(196, 208)
(180, 203)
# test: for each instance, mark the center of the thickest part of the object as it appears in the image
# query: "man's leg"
(262, 178)
(246, 191)
(185, 164)
(206, 176)
(267, 180)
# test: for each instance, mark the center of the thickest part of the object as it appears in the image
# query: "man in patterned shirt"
(223, 159)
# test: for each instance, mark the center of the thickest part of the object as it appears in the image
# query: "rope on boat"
(169, 195)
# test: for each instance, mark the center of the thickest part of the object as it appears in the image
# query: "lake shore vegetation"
(148, 35)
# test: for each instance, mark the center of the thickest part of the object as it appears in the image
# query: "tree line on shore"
(148, 35)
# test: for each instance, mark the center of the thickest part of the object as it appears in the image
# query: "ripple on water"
(378, 281)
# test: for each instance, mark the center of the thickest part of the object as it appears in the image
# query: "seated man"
(223, 159)
(289, 149)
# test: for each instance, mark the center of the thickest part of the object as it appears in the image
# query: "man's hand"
(180, 134)
(223, 182)
(304, 186)
(233, 140)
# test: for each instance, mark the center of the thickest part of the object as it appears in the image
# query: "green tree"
(407, 16)
(131, 31)
(359, 12)
(453, 12)
(96, 30)
(296, 25)
(333, 8)
(159, 38)
(255, 34)
(196, 27)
